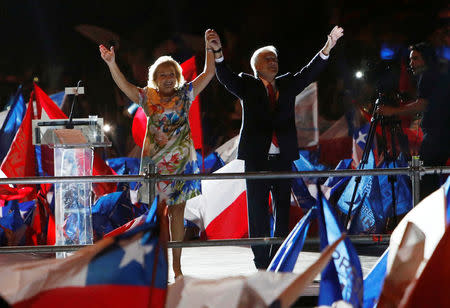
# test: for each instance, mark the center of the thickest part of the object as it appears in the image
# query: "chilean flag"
(195, 121)
(20, 161)
(129, 270)
(221, 209)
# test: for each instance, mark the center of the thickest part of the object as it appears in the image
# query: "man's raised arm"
(230, 80)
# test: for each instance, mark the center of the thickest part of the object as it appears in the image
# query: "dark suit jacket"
(258, 121)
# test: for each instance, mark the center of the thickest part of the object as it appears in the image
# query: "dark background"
(39, 40)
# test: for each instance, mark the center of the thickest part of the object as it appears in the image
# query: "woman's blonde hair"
(163, 60)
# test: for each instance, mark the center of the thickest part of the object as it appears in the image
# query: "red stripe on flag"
(49, 106)
(8, 193)
(231, 222)
(431, 288)
(129, 225)
(196, 124)
(101, 168)
(189, 74)
(139, 127)
(20, 160)
(98, 296)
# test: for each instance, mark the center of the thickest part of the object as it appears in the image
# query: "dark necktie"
(273, 101)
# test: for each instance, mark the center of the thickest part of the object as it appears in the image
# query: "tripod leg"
(392, 178)
(367, 147)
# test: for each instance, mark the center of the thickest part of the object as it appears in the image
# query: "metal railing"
(415, 171)
(374, 239)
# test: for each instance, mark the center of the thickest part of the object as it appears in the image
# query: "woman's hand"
(108, 56)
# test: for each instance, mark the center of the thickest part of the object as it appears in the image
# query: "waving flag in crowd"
(333, 186)
(21, 160)
(132, 263)
(367, 212)
(287, 255)
(12, 123)
(300, 185)
(360, 137)
(149, 216)
(430, 289)
(125, 166)
(195, 122)
(373, 283)
(113, 211)
(402, 190)
(221, 201)
(210, 163)
(342, 278)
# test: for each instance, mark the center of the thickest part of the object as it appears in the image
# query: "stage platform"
(218, 262)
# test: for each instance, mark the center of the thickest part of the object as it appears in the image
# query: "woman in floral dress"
(168, 143)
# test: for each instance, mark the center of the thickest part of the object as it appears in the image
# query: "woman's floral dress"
(178, 155)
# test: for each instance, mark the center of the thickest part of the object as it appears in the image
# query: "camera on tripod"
(384, 77)
(385, 80)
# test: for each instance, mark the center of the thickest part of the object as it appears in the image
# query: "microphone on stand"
(70, 124)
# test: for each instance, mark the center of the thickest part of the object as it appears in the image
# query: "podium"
(73, 154)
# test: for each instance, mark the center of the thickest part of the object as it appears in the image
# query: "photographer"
(433, 100)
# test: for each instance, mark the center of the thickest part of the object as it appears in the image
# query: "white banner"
(306, 117)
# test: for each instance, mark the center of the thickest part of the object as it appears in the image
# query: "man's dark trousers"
(258, 206)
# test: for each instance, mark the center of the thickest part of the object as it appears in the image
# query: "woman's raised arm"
(205, 77)
(129, 89)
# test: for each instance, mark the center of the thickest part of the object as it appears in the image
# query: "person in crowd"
(168, 143)
(433, 101)
(268, 139)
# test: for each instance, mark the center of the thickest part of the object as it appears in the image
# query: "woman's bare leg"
(176, 214)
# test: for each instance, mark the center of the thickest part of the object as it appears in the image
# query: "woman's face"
(166, 79)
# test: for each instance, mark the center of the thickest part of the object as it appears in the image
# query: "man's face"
(267, 65)
(416, 62)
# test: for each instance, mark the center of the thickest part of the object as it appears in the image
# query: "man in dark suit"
(268, 140)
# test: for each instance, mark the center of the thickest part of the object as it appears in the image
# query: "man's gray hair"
(256, 54)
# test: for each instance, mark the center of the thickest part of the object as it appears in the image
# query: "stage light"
(106, 128)
(389, 51)
(359, 74)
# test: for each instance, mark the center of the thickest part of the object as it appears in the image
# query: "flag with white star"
(129, 270)
(360, 137)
